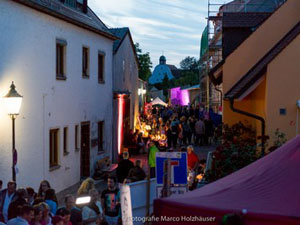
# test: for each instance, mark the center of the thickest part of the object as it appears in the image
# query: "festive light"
(120, 122)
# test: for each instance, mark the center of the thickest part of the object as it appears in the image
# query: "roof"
(59, 10)
(175, 71)
(243, 20)
(257, 71)
(213, 79)
(252, 6)
(267, 189)
(121, 34)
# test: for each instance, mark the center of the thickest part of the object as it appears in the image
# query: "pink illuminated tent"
(158, 101)
(268, 190)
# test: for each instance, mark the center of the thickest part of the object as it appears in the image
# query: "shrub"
(237, 151)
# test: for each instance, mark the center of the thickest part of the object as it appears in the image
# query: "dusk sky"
(170, 26)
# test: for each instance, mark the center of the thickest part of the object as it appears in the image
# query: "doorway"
(85, 150)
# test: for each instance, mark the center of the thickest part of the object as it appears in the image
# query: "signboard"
(178, 167)
(174, 191)
(134, 201)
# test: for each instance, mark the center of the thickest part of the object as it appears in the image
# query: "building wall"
(28, 52)
(283, 82)
(254, 103)
(126, 76)
(260, 42)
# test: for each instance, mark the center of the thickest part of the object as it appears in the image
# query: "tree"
(189, 63)
(145, 63)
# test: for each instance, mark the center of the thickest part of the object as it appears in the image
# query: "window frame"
(100, 138)
(85, 62)
(66, 140)
(54, 142)
(77, 137)
(102, 71)
(61, 59)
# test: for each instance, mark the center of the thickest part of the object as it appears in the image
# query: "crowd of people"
(23, 206)
(173, 129)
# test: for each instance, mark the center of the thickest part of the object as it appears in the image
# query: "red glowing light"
(120, 122)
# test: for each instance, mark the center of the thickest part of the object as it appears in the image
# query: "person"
(25, 216)
(202, 166)
(46, 218)
(152, 158)
(193, 160)
(174, 129)
(51, 200)
(192, 166)
(87, 185)
(31, 195)
(38, 214)
(44, 186)
(58, 220)
(110, 199)
(136, 173)
(18, 202)
(6, 197)
(1, 183)
(200, 131)
(209, 130)
(123, 167)
(92, 213)
(65, 214)
(76, 215)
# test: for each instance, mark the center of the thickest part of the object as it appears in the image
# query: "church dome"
(162, 60)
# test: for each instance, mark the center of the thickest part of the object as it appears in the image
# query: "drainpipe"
(221, 95)
(262, 120)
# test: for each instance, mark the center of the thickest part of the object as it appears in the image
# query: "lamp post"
(13, 102)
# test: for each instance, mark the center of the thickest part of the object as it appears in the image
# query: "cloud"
(172, 26)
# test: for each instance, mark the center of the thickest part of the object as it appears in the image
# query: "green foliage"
(237, 151)
(280, 139)
(190, 72)
(189, 63)
(187, 78)
(145, 63)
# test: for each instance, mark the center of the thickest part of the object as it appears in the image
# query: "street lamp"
(13, 102)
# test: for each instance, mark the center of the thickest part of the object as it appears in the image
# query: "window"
(100, 136)
(54, 147)
(85, 62)
(101, 67)
(124, 74)
(71, 3)
(61, 59)
(66, 141)
(76, 137)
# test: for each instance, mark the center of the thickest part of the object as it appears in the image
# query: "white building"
(59, 55)
(125, 85)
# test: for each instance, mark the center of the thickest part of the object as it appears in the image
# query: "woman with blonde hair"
(87, 185)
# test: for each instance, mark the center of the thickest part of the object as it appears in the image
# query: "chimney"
(85, 6)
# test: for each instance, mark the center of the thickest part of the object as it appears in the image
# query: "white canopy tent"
(158, 101)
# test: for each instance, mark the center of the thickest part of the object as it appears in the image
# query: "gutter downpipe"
(221, 95)
(262, 120)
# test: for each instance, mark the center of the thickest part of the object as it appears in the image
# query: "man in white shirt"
(6, 197)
